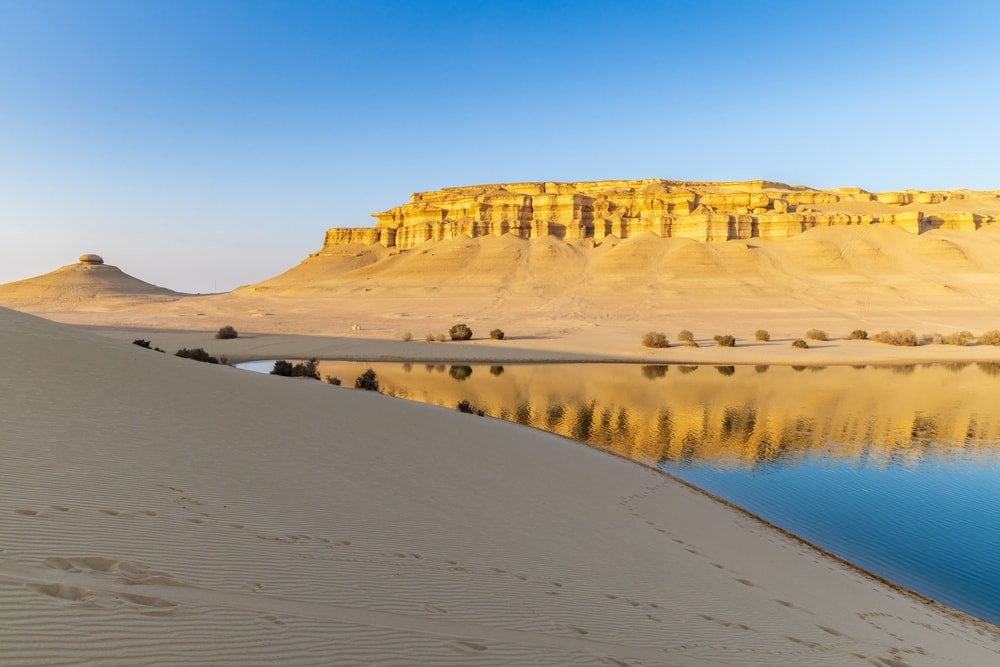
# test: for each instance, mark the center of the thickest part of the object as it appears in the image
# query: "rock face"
(699, 211)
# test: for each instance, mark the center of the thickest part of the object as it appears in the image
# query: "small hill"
(88, 281)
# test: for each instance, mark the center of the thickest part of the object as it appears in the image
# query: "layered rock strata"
(699, 211)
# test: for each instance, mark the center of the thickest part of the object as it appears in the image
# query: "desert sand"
(162, 511)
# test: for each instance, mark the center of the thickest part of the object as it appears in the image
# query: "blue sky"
(205, 144)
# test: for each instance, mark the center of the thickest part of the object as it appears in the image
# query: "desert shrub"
(685, 336)
(141, 343)
(991, 337)
(465, 406)
(460, 373)
(762, 335)
(440, 338)
(816, 334)
(798, 342)
(905, 338)
(690, 343)
(198, 354)
(407, 336)
(226, 333)
(655, 339)
(224, 360)
(858, 334)
(429, 338)
(302, 369)
(333, 379)
(497, 334)
(367, 380)
(958, 338)
(725, 341)
(460, 332)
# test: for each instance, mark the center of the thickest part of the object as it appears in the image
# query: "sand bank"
(160, 511)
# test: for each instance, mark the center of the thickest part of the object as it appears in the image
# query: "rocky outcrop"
(699, 211)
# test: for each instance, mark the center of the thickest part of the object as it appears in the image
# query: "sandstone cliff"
(698, 211)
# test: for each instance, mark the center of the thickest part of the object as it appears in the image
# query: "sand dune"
(161, 511)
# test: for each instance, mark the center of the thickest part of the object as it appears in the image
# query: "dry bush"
(991, 337)
(460, 332)
(762, 335)
(816, 334)
(904, 338)
(497, 334)
(858, 334)
(429, 338)
(685, 336)
(407, 336)
(725, 341)
(798, 342)
(958, 338)
(441, 338)
(655, 339)
(227, 333)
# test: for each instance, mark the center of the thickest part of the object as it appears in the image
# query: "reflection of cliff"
(876, 416)
(700, 211)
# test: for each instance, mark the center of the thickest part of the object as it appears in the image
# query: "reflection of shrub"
(460, 332)
(496, 370)
(226, 333)
(460, 373)
(496, 334)
(858, 334)
(367, 380)
(726, 370)
(904, 338)
(798, 369)
(684, 370)
(761, 368)
(653, 372)
(198, 354)
(991, 337)
(655, 339)
(725, 341)
(762, 335)
(685, 336)
(988, 367)
(816, 334)
(303, 369)
(798, 342)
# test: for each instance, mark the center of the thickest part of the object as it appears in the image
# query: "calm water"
(894, 469)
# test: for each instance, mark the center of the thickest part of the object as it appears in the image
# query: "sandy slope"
(159, 511)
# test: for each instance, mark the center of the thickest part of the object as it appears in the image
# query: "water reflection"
(735, 417)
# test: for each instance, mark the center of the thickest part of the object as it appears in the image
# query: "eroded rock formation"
(699, 211)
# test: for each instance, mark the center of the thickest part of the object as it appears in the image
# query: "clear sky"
(205, 144)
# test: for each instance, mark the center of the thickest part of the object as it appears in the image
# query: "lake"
(895, 469)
